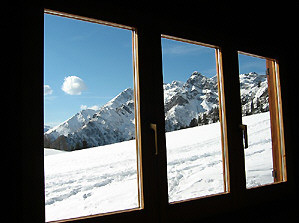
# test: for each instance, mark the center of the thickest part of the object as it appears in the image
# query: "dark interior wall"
(268, 32)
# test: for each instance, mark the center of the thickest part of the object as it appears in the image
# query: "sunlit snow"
(104, 179)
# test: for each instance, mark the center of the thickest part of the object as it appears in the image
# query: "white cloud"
(73, 85)
(83, 107)
(183, 49)
(47, 90)
(94, 107)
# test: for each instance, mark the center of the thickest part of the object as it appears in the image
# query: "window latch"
(154, 127)
(274, 174)
(245, 135)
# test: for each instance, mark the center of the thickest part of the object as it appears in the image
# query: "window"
(91, 151)
(180, 172)
(196, 163)
(261, 111)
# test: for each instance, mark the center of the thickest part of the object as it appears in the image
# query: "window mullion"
(154, 179)
(233, 120)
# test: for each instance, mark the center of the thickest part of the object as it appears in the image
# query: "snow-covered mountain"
(184, 102)
(196, 101)
(188, 104)
(71, 125)
(114, 122)
(254, 93)
(46, 128)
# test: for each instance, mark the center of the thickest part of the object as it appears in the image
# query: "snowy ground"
(104, 179)
(258, 157)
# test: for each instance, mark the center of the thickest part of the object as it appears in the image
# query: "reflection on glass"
(193, 131)
(89, 134)
(256, 115)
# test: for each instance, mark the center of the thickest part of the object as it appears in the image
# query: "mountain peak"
(196, 73)
(125, 95)
(196, 76)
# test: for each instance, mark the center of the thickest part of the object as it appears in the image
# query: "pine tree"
(193, 123)
(252, 107)
(84, 144)
(199, 120)
(60, 143)
(215, 114)
(258, 105)
(47, 142)
(77, 147)
(205, 120)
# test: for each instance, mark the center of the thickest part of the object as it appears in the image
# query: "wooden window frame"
(279, 188)
(125, 215)
(277, 133)
(188, 208)
(276, 118)
(222, 111)
(153, 177)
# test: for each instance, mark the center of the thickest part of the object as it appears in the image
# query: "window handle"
(154, 127)
(245, 135)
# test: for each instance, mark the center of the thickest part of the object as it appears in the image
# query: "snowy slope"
(104, 179)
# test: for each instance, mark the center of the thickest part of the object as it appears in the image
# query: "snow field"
(258, 157)
(104, 179)
(194, 162)
(91, 181)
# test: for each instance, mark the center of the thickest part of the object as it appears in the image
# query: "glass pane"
(256, 115)
(193, 130)
(90, 160)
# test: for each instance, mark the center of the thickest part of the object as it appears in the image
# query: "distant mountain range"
(188, 104)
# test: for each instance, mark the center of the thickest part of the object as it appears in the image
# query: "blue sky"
(87, 64)
(251, 64)
(101, 56)
(181, 59)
